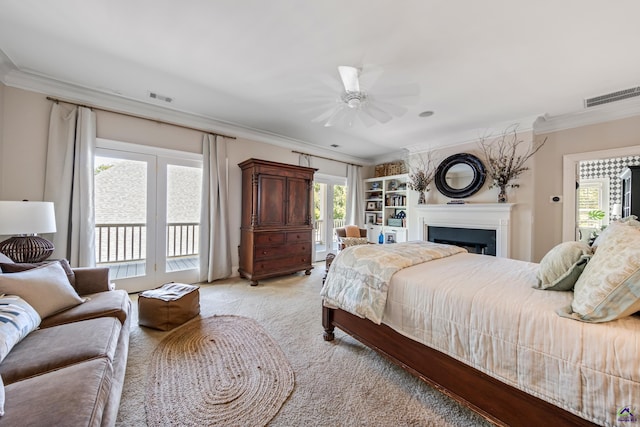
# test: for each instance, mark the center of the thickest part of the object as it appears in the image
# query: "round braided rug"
(220, 370)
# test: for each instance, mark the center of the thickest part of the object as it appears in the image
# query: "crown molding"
(594, 115)
(11, 76)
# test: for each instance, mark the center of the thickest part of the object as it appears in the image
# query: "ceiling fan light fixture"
(354, 99)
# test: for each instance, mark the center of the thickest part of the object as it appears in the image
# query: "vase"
(422, 199)
(502, 195)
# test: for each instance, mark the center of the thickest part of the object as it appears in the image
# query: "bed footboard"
(497, 402)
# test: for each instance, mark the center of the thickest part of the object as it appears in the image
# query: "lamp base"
(27, 248)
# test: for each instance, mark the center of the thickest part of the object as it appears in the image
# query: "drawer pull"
(264, 252)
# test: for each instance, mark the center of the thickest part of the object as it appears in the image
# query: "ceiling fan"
(364, 99)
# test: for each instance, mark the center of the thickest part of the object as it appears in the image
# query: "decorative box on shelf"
(395, 222)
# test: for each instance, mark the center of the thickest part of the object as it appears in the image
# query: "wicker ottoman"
(168, 306)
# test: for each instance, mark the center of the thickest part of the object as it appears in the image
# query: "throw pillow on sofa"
(23, 266)
(17, 320)
(45, 288)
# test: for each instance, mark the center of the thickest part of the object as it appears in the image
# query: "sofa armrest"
(90, 280)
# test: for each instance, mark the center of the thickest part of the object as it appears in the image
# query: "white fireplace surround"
(481, 216)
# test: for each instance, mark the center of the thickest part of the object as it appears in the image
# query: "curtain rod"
(138, 117)
(326, 158)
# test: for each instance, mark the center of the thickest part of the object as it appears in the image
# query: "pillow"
(5, 259)
(353, 241)
(609, 287)
(562, 265)
(629, 221)
(22, 266)
(352, 231)
(1, 397)
(45, 288)
(17, 319)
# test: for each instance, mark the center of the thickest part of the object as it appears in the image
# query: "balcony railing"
(320, 229)
(127, 242)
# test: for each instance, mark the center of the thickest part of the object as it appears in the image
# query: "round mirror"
(460, 175)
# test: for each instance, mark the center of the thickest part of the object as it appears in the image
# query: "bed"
(481, 330)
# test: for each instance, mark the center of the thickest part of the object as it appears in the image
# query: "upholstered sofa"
(69, 370)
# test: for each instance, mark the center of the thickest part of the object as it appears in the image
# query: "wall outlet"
(555, 199)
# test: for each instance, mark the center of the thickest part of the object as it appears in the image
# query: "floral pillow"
(609, 286)
(353, 241)
(630, 221)
(561, 266)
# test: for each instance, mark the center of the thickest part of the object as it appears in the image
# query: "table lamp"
(24, 220)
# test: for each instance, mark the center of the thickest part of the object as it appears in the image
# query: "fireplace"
(477, 241)
(480, 227)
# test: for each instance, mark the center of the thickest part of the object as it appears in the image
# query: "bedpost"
(327, 323)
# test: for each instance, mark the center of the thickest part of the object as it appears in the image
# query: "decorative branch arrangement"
(421, 175)
(503, 162)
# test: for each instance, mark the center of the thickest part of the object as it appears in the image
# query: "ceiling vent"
(612, 97)
(160, 97)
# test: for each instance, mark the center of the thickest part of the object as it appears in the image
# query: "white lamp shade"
(26, 218)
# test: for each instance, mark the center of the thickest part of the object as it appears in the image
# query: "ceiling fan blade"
(377, 113)
(326, 115)
(337, 116)
(370, 76)
(349, 76)
(367, 119)
(394, 109)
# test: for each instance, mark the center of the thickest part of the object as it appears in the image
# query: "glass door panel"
(184, 184)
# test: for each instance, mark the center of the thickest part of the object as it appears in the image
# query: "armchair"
(351, 235)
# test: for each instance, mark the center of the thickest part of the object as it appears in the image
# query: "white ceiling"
(256, 64)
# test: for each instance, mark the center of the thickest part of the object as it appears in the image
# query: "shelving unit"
(386, 207)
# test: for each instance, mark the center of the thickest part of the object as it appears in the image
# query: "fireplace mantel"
(484, 216)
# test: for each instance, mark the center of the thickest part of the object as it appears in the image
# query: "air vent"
(160, 97)
(612, 97)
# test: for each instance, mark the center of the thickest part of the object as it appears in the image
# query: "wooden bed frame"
(496, 401)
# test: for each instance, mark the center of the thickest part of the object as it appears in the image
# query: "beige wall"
(23, 146)
(24, 119)
(548, 177)
(522, 197)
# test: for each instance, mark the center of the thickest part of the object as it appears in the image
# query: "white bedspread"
(358, 279)
(483, 311)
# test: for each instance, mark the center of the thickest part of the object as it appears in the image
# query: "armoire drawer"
(269, 238)
(265, 252)
(277, 264)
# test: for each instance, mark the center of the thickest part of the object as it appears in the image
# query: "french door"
(147, 205)
(329, 212)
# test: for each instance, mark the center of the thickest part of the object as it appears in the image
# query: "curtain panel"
(215, 244)
(69, 182)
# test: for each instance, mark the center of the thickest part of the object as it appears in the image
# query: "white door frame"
(569, 168)
(329, 181)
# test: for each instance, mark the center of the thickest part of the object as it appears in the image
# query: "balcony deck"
(120, 270)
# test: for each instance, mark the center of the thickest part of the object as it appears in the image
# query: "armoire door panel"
(271, 208)
(299, 205)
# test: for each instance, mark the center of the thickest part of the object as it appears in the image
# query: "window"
(593, 203)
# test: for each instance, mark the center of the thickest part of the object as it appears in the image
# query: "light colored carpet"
(217, 371)
(338, 383)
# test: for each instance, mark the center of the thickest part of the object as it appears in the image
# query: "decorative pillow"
(5, 259)
(609, 287)
(562, 265)
(17, 319)
(1, 397)
(630, 221)
(45, 288)
(353, 241)
(23, 266)
(352, 231)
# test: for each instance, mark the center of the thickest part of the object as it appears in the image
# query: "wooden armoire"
(276, 231)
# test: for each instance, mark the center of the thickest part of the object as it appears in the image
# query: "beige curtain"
(69, 182)
(215, 244)
(355, 197)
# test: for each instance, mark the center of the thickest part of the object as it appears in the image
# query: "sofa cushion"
(14, 267)
(72, 396)
(17, 319)
(53, 348)
(45, 288)
(114, 303)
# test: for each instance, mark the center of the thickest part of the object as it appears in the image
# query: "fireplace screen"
(474, 240)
